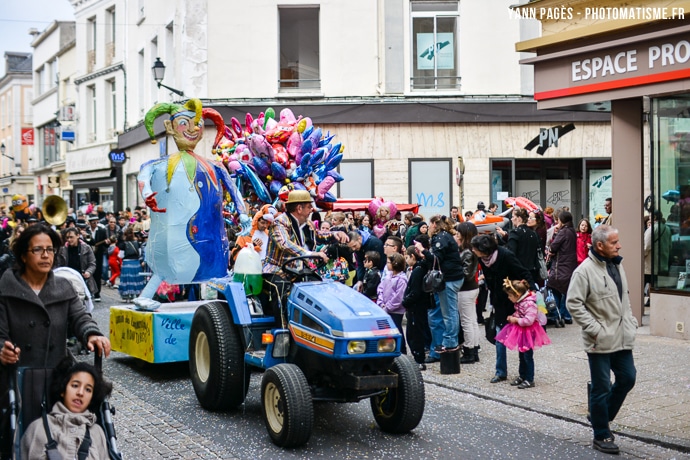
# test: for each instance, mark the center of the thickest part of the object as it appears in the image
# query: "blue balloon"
(328, 197)
(258, 186)
(307, 146)
(307, 132)
(261, 166)
(333, 161)
(315, 137)
(317, 156)
(326, 140)
(335, 175)
(274, 187)
(278, 171)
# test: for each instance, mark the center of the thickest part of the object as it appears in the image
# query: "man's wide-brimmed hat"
(299, 196)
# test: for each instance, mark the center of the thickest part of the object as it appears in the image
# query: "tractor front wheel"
(287, 405)
(399, 410)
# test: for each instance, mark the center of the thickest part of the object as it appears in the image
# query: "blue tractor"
(327, 342)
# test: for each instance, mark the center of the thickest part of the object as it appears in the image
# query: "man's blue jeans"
(436, 327)
(501, 358)
(606, 400)
(449, 310)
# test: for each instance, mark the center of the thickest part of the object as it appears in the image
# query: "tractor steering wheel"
(306, 273)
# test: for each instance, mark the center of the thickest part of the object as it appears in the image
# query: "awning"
(363, 205)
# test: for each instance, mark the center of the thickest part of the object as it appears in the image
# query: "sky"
(17, 17)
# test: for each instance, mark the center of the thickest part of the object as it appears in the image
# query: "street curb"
(667, 442)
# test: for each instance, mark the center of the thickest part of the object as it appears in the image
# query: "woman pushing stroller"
(37, 309)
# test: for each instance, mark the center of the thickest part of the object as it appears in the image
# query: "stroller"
(553, 314)
(22, 384)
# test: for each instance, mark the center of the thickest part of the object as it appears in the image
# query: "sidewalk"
(655, 411)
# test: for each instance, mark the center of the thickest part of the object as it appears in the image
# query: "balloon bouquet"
(269, 156)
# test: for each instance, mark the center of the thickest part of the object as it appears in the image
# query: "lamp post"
(2, 152)
(158, 70)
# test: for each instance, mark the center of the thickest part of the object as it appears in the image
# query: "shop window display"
(670, 157)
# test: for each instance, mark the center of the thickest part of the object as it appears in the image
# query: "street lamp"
(158, 75)
(2, 152)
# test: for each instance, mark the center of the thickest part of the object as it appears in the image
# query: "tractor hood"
(341, 309)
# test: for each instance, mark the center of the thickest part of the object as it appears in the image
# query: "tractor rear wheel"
(216, 359)
(399, 410)
(287, 405)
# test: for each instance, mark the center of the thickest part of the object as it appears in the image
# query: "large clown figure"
(187, 241)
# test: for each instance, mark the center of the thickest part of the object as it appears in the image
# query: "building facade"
(53, 108)
(16, 131)
(101, 88)
(639, 69)
(430, 103)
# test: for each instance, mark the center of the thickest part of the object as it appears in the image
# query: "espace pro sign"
(657, 61)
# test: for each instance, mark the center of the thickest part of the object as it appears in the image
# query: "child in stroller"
(79, 389)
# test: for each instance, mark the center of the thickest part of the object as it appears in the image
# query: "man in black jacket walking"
(99, 243)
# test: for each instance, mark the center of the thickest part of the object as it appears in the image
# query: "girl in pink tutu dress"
(523, 332)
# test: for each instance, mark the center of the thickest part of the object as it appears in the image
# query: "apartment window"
(435, 63)
(48, 144)
(141, 82)
(41, 80)
(360, 179)
(28, 108)
(91, 44)
(142, 12)
(3, 112)
(111, 102)
(431, 185)
(170, 54)
(91, 108)
(154, 53)
(299, 49)
(110, 36)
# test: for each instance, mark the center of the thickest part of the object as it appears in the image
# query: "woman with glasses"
(37, 309)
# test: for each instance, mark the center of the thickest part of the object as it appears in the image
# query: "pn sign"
(548, 137)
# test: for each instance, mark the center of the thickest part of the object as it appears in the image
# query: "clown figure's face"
(184, 131)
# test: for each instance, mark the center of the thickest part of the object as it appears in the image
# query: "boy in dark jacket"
(416, 303)
(372, 277)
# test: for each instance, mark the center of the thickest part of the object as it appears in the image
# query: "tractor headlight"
(281, 345)
(356, 347)
(386, 345)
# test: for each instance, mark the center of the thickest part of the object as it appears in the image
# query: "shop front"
(93, 179)
(640, 71)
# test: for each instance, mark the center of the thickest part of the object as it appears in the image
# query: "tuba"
(54, 210)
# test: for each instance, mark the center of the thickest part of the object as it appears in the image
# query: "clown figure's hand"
(152, 203)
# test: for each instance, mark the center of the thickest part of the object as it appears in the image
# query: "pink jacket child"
(524, 332)
(390, 293)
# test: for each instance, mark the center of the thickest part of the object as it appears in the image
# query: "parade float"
(327, 342)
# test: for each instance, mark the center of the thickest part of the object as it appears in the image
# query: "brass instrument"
(54, 210)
